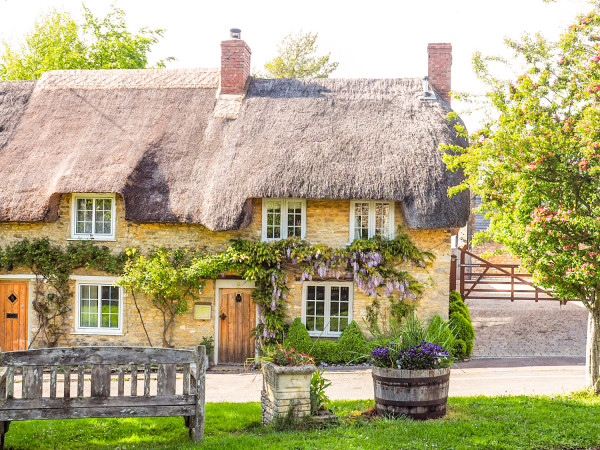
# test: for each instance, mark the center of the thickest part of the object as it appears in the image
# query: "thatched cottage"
(196, 157)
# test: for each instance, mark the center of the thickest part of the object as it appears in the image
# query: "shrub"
(298, 338)
(352, 344)
(326, 352)
(462, 328)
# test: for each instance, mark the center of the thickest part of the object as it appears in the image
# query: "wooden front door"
(237, 318)
(13, 315)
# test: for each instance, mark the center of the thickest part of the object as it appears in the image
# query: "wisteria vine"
(373, 264)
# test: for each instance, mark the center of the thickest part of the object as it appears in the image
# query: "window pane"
(334, 325)
(294, 218)
(103, 212)
(361, 220)
(320, 324)
(273, 219)
(382, 219)
(340, 302)
(110, 307)
(84, 212)
(320, 293)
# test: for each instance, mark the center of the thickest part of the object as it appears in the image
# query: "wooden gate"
(13, 315)
(478, 279)
(237, 318)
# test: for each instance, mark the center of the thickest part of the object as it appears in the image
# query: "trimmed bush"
(352, 344)
(298, 338)
(462, 328)
(326, 352)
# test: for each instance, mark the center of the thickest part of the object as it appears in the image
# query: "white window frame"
(372, 203)
(284, 211)
(93, 236)
(97, 281)
(328, 284)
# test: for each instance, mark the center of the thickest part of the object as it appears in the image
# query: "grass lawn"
(571, 421)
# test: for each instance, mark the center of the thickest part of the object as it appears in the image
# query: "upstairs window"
(93, 217)
(283, 218)
(369, 218)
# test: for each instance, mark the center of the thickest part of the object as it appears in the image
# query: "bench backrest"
(101, 372)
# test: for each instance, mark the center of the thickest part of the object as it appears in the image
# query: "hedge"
(462, 327)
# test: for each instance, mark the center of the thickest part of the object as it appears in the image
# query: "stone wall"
(327, 223)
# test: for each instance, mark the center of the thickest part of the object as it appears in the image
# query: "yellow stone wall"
(327, 223)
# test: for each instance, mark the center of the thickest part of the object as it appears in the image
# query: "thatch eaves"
(155, 137)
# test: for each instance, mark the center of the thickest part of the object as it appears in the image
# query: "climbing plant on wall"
(52, 266)
(373, 264)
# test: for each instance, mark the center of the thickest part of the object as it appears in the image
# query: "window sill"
(98, 332)
(324, 335)
(92, 238)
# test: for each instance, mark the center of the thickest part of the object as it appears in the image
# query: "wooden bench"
(86, 382)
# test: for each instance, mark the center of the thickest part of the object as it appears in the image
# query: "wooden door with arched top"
(13, 315)
(237, 318)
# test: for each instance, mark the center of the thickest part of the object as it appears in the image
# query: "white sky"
(374, 39)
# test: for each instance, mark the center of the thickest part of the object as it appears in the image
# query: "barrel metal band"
(410, 403)
(411, 381)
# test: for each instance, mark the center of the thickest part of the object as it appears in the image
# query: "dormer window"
(93, 216)
(283, 218)
(369, 218)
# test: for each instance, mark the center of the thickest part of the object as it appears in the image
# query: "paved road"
(505, 329)
(490, 377)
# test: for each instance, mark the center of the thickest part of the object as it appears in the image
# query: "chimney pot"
(439, 58)
(235, 33)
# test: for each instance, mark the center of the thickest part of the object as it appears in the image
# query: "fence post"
(512, 284)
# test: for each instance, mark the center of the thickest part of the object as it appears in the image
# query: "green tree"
(537, 166)
(297, 59)
(59, 42)
(166, 278)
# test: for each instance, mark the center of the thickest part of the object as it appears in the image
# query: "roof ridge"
(129, 79)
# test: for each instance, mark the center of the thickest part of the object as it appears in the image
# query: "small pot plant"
(286, 384)
(411, 373)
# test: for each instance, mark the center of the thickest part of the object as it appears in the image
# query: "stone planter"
(285, 388)
(419, 394)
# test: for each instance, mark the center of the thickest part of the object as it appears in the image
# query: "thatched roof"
(157, 138)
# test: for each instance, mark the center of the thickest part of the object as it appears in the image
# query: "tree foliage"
(297, 58)
(59, 42)
(537, 166)
(166, 278)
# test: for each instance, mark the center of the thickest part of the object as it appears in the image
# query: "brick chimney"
(439, 58)
(235, 64)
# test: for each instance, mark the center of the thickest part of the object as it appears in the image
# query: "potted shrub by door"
(286, 384)
(411, 381)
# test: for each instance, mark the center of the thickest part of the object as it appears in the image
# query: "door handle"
(223, 316)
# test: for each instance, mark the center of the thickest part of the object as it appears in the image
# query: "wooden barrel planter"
(419, 394)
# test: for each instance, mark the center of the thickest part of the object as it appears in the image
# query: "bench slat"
(121, 382)
(95, 402)
(53, 375)
(96, 355)
(100, 381)
(10, 382)
(167, 374)
(186, 379)
(80, 379)
(67, 382)
(147, 380)
(32, 381)
(134, 374)
(81, 413)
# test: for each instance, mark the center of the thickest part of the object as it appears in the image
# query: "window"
(93, 217)
(283, 218)
(99, 308)
(370, 218)
(327, 307)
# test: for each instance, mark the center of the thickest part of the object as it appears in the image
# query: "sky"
(369, 39)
